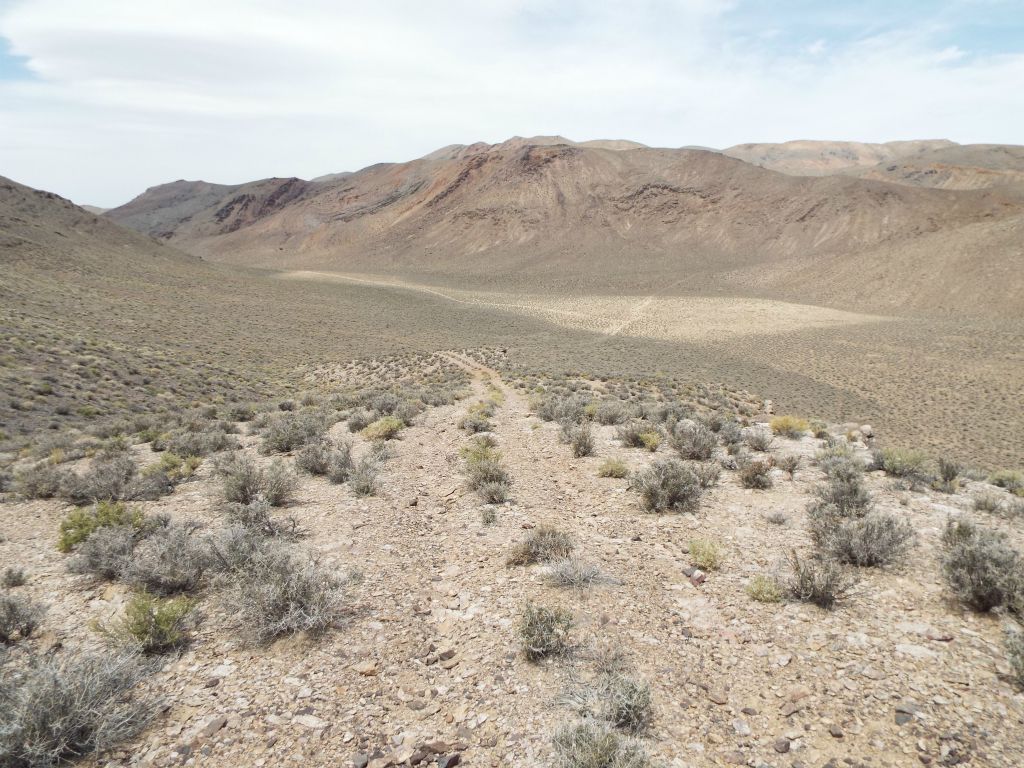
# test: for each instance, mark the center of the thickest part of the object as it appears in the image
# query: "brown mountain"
(548, 213)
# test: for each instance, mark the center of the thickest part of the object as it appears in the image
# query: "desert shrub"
(278, 484)
(613, 468)
(360, 419)
(197, 443)
(70, 704)
(789, 464)
(106, 553)
(104, 480)
(1015, 653)
(544, 632)
(12, 577)
(821, 582)
(495, 492)
(286, 405)
(730, 433)
(475, 422)
(574, 572)
(1011, 480)
(541, 545)
(981, 568)
(844, 493)
(341, 464)
(241, 479)
(256, 517)
(174, 467)
(764, 589)
(790, 426)
(756, 474)
(949, 472)
(588, 744)
(384, 403)
(479, 448)
(581, 440)
(384, 428)
(639, 434)
(364, 476)
(877, 538)
(314, 458)
(485, 468)
(988, 502)
(19, 618)
(902, 463)
(616, 698)
(610, 412)
(707, 474)
(151, 624)
(777, 517)
(276, 593)
(242, 412)
(488, 516)
(408, 410)
(706, 554)
(79, 524)
(666, 485)
(694, 440)
(759, 440)
(39, 481)
(559, 408)
(172, 559)
(291, 431)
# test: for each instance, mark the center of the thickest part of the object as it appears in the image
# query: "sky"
(100, 99)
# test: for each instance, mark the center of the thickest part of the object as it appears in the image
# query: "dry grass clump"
(613, 468)
(788, 463)
(19, 618)
(364, 476)
(764, 589)
(542, 545)
(484, 471)
(694, 440)
(981, 568)
(277, 593)
(759, 440)
(707, 474)
(706, 554)
(554, 407)
(315, 458)
(1015, 653)
(152, 625)
(615, 697)
(948, 480)
(667, 485)
(587, 744)
(544, 632)
(64, 706)
(821, 582)
(1011, 480)
(756, 473)
(256, 517)
(574, 573)
(907, 464)
(792, 427)
(384, 428)
(42, 480)
(475, 423)
(609, 412)
(106, 553)
(639, 434)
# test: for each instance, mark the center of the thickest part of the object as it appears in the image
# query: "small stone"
(367, 668)
(836, 731)
(449, 760)
(902, 718)
(312, 722)
(359, 760)
(741, 727)
(213, 725)
(717, 695)
(414, 501)
(781, 745)
(698, 577)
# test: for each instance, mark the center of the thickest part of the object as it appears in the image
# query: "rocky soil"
(425, 667)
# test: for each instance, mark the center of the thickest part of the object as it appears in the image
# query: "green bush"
(384, 428)
(706, 554)
(152, 625)
(79, 524)
(764, 589)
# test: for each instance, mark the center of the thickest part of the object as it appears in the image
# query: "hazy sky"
(100, 99)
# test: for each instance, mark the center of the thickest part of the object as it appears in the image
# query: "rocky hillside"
(552, 213)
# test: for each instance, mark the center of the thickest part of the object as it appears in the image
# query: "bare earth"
(897, 676)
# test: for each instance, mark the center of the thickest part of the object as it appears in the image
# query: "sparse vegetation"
(693, 440)
(70, 704)
(12, 577)
(817, 581)
(876, 539)
(792, 427)
(574, 573)
(592, 745)
(171, 560)
(364, 476)
(759, 440)
(639, 434)
(152, 625)
(756, 473)
(384, 428)
(981, 568)
(667, 485)
(613, 468)
(1011, 480)
(706, 554)
(1014, 639)
(764, 589)
(580, 439)
(19, 618)
(542, 545)
(544, 632)
(80, 524)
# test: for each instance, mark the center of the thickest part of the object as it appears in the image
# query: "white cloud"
(130, 94)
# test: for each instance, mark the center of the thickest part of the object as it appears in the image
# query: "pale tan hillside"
(541, 214)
